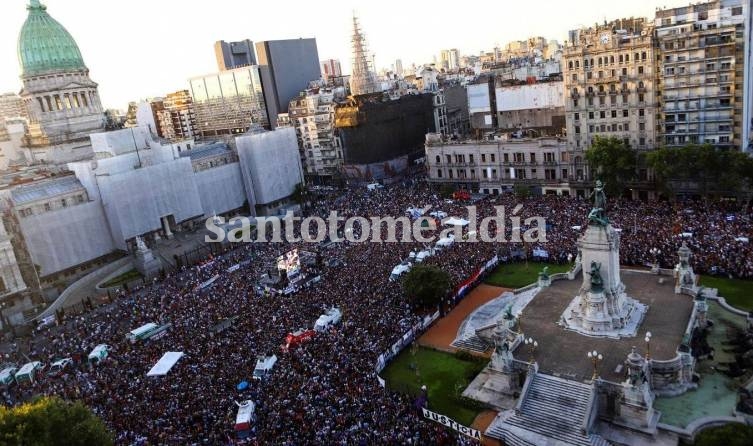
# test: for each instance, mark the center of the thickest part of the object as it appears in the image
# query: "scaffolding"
(363, 79)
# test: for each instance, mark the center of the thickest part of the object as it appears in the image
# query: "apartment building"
(703, 71)
(177, 119)
(610, 85)
(495, 166)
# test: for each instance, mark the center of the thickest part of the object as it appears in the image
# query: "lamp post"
(532, 346)
(596, 359)
(648, 345)
(655, 252)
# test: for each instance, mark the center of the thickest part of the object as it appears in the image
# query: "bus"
(145, 332)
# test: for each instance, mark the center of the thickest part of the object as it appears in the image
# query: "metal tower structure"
(363, 79)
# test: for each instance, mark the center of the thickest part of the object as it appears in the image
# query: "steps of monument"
(553, 408)
(474, 344)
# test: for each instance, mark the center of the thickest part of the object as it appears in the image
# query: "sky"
(138, 49)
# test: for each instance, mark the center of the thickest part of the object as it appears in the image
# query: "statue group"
(598, 214)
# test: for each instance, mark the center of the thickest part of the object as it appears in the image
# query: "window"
(64, 203)
(25, 212)
(640, 69)
(493, 158)
(470, 158)
(624, 113)
(570, 65)
(449, 173)
(602, 114)
(439, 173)
(737, 10)
(614, 113)
(449, 159)
(641, 97)
(483, 157)
(589, 75)
(643, 55)
(590, 115)
(438, 159)
(641, 112)
(642, 126)
(506, 157)
(576, 116)
(575, 102)
(533, 157)
(47, 207)
(641, 141)
(626, 127)
(602, 101)
(624, 99)
(590, 102)
(575, 77)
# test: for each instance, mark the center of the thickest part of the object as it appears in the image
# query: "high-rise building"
(177, 119)
(610, 86)
(454, 59)
(363, 79)
(331, 68)
(62, 101)
(292, 65)
(704, 74)
(399, 67)
(230, 102)
(234, 54)
(312, 114)
(12, 106)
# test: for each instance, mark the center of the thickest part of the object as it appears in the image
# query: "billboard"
(289, 262)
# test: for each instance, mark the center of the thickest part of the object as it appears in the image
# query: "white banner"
(449, 422)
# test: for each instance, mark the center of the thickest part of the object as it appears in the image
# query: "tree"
(733, 434)
(426, 285)
(521, 191)
(613, 162)
(709, 171)
(51, 421)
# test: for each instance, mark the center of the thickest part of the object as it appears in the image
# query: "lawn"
(445, 377)
(518, 275)
(738, 293)
(122, 279)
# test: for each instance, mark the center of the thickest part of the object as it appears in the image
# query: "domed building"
(62, 101)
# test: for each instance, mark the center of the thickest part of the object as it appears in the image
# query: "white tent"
(165, 363)
(454, 221)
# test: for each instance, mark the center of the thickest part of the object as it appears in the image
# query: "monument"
(602, 308)
(684, 275)
(144, 261)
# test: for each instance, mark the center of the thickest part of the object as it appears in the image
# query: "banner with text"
(449, 422)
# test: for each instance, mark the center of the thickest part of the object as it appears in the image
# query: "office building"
(234, 54)
(177, 119)
(292, 64)
(230, 102)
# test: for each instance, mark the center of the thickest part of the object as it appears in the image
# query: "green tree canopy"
(426, 285)
(733, 434)
(52, 422)
(613, 162)
(709, 171)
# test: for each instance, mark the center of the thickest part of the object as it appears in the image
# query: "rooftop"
(207, 151)
(40, 190)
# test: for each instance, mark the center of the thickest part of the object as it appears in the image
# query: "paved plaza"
(563, 352)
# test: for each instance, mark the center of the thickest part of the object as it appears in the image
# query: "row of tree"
(699, 169)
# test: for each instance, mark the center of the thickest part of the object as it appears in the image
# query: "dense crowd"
(323, 391)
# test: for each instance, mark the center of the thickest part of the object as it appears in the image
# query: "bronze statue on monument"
(598, 214)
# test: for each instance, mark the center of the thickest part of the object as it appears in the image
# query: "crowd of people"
(324, 391)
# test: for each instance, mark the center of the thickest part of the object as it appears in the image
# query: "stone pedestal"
(144, 260)
(684, 275)
(636, 408)
(602, 308)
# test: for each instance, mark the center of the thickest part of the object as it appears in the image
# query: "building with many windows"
(610, 84)
(177, 119)
(234, 54)
(703, 71)
(312, 115)
(12, 106)
(230, 102)
(495, 166)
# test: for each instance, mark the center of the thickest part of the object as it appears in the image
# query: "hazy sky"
(141, 48)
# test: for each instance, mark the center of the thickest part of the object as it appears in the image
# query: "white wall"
(270, 163)
(60, 239)
(220, 188)
(122, 141)
(525, 97)
(478, 98)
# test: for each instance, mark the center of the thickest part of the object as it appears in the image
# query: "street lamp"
(532, 345)
(595, 358)
(648, 345)
(655, 252)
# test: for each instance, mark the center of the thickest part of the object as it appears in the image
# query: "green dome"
(44, 45)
